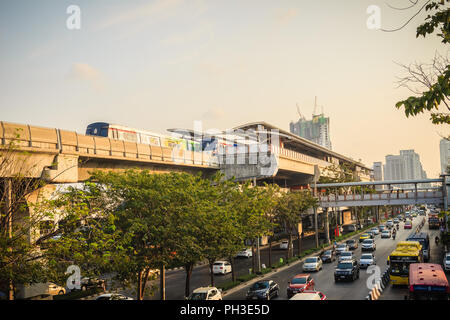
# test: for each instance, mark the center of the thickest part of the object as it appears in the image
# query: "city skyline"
(164, 64)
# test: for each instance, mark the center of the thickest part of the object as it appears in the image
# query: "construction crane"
(315, 106)
(302, 117)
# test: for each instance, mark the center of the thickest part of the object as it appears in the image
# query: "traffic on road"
(343, 274)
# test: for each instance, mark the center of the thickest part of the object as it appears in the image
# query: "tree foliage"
(291, 208)
(437, 93)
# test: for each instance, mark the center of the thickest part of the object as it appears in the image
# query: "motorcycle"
(436, 240)
(398, 227)
(393, 236)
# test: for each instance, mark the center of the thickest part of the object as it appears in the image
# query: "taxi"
(364, 236)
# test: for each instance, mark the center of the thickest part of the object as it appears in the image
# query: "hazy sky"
(162, 64)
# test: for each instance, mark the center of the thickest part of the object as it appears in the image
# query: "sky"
(162, 64)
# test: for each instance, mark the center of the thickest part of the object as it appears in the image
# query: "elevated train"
(182, 139)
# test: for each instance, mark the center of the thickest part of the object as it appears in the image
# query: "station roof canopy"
(297, 143)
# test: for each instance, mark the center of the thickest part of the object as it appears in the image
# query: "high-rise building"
(378, 173)
(406, 166)
(444, 148)
(316, 130)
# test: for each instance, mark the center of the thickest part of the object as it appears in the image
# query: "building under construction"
(316, 130)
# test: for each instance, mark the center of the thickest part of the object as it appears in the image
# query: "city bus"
(424, 240)
(433, 221)
(427, 281)
(409, 244)
(400, 259)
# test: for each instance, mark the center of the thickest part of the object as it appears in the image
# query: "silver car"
(341, 248)
(312, 264)
(368, 245)
(386, 234)
(345, 255)
(367, 259)
(389, 224)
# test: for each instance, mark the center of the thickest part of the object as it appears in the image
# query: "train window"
(104, 132)
(152, 140)
(128, 136)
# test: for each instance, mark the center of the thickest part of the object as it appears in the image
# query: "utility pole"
(162, 282)
(8, 210)
(258, 255)
(316, 227)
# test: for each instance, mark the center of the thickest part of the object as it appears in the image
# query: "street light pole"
(316, 228)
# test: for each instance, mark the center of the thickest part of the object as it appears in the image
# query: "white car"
(341, 248)
(246, 253)
(54, 289)
(368, 244)
(221, 267)
(345, 255)
(312, 264)
(206, 293)
(386, 234)
(375, 230)
(367, 259)
(113, 296)
(389, 224)
(284, 245)
(447, 262)
(309, 295)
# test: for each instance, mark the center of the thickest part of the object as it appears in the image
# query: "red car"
(300, 283)
(408, 225)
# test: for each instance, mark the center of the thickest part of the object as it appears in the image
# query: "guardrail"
(298, 156)
(31, 138)
(34, 138)
(382, 196)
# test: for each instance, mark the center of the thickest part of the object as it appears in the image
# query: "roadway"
(200, 277)
(436, 256)
(356, 290)
(324, 279)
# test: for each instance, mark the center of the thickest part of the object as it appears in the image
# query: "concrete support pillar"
(316, 229)
(327, 227)
(65, 169)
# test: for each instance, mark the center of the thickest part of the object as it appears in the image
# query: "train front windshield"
(97, 129)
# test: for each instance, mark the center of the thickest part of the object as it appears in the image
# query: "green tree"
(20, 261)
(437, 86)
(335, 174)
(83, 233)
(209, 199)
(254, 207)
(291, 208)
(154, 219)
